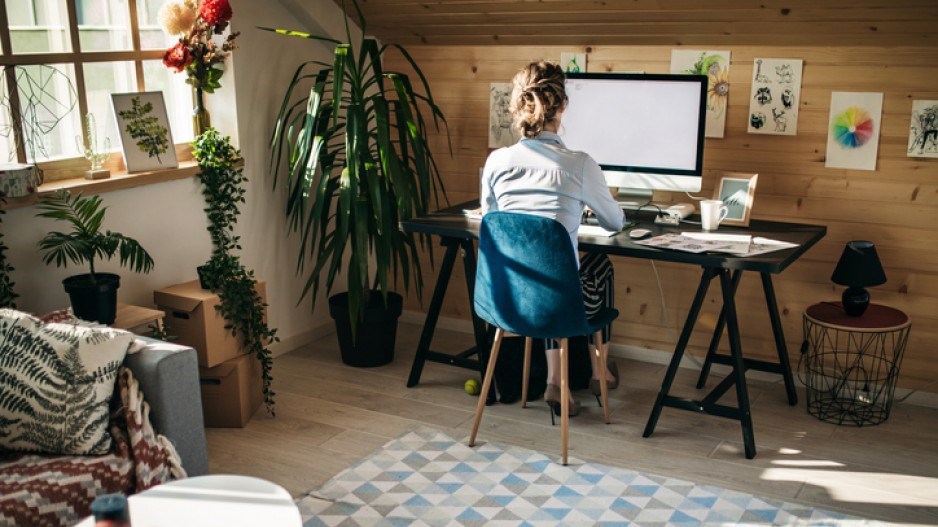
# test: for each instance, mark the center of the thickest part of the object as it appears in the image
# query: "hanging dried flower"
(215, 12)
(176, 18)
(196, 52)
(177, 57)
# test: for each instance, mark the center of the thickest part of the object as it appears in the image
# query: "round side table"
(850, 364)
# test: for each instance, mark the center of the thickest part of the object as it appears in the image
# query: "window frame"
(77, 58)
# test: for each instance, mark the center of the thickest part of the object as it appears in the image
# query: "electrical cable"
(664, 313)
(697, 198)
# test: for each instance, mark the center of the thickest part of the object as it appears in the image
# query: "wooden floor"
(330, 415)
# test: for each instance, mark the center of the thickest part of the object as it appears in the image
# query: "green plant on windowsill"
(351, 142)
(7, 295)
(241, 305)
(93, 295)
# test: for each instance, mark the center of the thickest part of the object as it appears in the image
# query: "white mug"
(712, 212)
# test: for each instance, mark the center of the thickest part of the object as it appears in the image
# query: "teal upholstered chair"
(528, 283)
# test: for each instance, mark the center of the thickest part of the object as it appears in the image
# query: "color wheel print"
(853, 127)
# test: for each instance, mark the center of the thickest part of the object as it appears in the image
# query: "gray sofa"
(169, 377)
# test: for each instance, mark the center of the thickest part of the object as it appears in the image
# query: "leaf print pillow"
(56, 381)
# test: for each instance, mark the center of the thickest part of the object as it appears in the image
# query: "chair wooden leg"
(526, 372)
(604, 388)
(486, 384)
(564, 398)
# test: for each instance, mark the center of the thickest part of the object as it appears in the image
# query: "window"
(64, 58)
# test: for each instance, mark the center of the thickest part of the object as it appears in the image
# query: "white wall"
(167, 218)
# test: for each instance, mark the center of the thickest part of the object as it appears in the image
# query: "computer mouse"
(637, 234)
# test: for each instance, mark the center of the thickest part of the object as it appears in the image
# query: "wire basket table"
(849, 365)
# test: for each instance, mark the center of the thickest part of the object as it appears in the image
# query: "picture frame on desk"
(737, 191)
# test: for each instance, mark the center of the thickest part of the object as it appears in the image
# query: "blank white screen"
(634, 123)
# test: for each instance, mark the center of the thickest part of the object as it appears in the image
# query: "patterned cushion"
(55, 384)
(58, 490)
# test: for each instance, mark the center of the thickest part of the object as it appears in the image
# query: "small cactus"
(89, 149)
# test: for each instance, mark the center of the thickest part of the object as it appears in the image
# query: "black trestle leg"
(739, 367)
(715, 340)
(433, 310)
(705, 278)
(780, 347)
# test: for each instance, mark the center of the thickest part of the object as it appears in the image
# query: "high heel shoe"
(552, 398)
(596, 388)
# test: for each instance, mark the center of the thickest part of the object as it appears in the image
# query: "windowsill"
(117, 181)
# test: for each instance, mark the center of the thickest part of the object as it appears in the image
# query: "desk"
(458, 232)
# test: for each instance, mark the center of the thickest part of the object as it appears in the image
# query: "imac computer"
(645, 131)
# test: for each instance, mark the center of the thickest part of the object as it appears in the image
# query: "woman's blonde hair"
(537, 96)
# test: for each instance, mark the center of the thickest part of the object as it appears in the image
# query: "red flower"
(215, 12)
(177, 57)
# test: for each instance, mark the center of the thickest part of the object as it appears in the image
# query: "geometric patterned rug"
(428, 478)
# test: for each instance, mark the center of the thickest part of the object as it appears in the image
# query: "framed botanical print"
(146, 139)
(737, 190)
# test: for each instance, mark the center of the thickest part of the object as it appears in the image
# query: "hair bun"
(538, 94)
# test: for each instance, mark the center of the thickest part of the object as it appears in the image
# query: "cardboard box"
(231, 392)
(192, 318)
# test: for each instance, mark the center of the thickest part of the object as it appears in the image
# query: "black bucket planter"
(374, 336)
(202, 271)
(93, 301)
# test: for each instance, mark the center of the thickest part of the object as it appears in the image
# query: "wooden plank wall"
(895, 206)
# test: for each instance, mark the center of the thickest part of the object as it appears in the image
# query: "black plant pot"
(95, 301)
(374, 336)
(202, 271)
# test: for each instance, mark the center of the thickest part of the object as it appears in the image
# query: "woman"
(538, 175)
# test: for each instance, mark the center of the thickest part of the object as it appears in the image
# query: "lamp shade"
(859, 266)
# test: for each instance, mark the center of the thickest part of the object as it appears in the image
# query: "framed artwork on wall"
(146, 139)
(737, 190)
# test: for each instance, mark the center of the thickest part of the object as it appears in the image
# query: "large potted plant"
(93, 295)
(352, 150)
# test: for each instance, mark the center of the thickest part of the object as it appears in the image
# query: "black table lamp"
(858, 267)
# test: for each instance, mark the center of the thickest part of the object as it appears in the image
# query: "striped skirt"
(597, 279)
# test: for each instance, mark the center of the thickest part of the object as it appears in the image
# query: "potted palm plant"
(93, 295)
(350, 144)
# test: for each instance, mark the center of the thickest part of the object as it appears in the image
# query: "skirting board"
(624, 351)
(288, 344)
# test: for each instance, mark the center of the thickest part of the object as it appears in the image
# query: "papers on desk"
(595, 230)
(699, 242)
(472, 214)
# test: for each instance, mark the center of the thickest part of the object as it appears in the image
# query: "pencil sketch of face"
(500, 118)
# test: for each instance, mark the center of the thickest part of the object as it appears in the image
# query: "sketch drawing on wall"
(716, 66)
(853, 134)
(923, 132)
(778, 92)
(573, 62)
(501, 132)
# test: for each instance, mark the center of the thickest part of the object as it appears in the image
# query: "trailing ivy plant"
(7, 295)
(241, 305)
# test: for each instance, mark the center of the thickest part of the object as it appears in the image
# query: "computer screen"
(646, 131)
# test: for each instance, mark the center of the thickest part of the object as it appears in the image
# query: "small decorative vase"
(201, 121)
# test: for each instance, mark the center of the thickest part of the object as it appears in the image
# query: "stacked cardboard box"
(232, 388)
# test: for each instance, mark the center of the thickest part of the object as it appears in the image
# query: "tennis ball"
(473, 387)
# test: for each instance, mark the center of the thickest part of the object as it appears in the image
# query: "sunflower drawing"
(718, 90)
(717, 71)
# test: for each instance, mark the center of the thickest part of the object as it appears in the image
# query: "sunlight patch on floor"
(856, 487)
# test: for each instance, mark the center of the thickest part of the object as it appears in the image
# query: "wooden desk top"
(453, 223)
